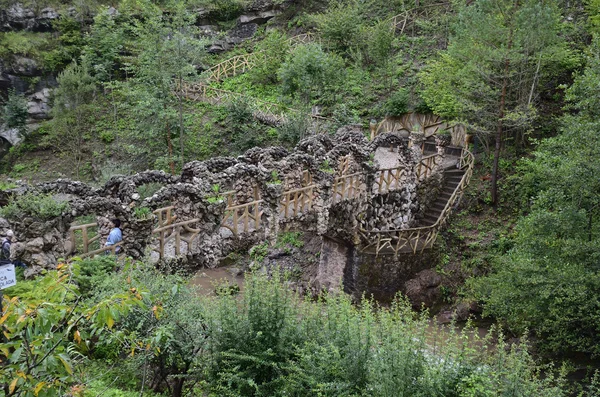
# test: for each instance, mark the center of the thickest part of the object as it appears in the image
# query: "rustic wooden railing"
(347, 187)
(230, 67)
(296, 201)
(427, 165)
(241, 63)
(85, 230)
(418, 239)
(165, 216)
(388, 179)
(247, 217)
(243, 218)
(176, 232)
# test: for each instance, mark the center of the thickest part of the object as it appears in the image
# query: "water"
(206, 279)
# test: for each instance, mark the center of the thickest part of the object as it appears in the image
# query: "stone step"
(438, 206)
(445, 196)
(454, 172)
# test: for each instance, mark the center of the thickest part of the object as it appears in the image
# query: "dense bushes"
(42, 206)
(271, 342)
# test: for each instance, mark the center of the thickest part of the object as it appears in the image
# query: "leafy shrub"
(295, 239)
(43, 206)
(239, 111)
(294, 129)
(90, 272)
(142, 212)
(397, 103)
(340, 25)
(270, 54)
(308, 72)
(15, 112)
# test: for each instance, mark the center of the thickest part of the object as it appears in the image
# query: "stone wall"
(195, 196)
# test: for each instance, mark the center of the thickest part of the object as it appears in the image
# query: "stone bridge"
(376, 195)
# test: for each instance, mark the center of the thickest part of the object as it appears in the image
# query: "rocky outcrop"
(19, 17)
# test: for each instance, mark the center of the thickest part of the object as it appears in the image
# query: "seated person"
(115, 236)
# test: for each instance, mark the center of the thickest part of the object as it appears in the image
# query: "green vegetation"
(14, 113)
(159, 337)
(42, 206)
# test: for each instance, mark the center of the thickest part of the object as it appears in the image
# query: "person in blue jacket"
(115, 236)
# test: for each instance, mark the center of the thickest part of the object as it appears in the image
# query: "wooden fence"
(347, 187)
(243, 218)
(296, 201)
(427, 165)
(388, 179)
(170, 236)
(177, 233)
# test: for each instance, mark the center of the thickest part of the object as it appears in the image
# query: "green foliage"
(239, 112)
(521, 36)
(143, 213)
(166, 336)
(43, 338)
(69, 45)
(14, 113)
(546, 282)
(275, 178)
(88, 273)
(326, 167)
(340, 25)
(41, 206)
(584, 93)
(272, 343)
(294, 129)
(308, 72)
(73, 105)
(22, 43)
(397, 103)
(294, 239)
(259, 252)
(270, 54)
(103, 46)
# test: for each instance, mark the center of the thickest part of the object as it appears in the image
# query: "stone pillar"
(373, 128)
(415, 141)
(322, 205)
(272, 198)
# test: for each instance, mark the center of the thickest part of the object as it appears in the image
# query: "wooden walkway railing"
(297, 201)
(388, 179)
(176, 232)
(241, 63)
(347, 187)
(427, 165)
(418, 239)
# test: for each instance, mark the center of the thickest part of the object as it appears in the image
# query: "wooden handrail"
(297, 200)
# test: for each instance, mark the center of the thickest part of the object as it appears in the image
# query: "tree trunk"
(181, 120)
(178, 388)
(499, 125)
(170, 145)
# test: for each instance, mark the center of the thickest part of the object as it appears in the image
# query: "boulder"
(24, 66)
(257, 18)
(423, 289)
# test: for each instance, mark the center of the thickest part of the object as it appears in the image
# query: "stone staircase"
(452, 177)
